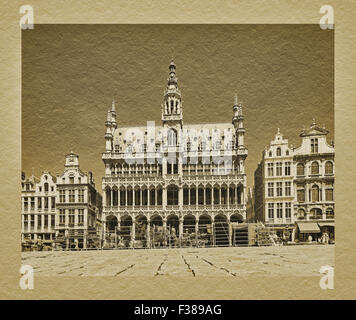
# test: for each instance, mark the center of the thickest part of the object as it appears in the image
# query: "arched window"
(301, 214)
(46, 187)
(315, 168)
(172, 106)
(316, 213)
(329, 213)
(315, 193)
(287, 153)
(270, 154)
(172, 137)
(329, 168)
(278, 152)
(300, 169)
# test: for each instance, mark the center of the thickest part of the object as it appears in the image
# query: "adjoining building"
(38, 208)
(79, 205)
(274, 192)
(174, 184)
(294, 187)
(314, 184)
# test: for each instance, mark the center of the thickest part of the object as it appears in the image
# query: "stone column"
(230, 232)
(42, 222)
(104, 198)
(148, 234)
(118, 197)
(164, 196)
(196, 231)
(228, 196)
(212, 196)
(133, 197)
(36, 225)
(180, 198)
(126, 197)
(111, 197)
(180, 231)
(148, 197)
(189, 196)
(133, 232)
(85, 239)
(196, 195)
(204, 188)
(165, 231)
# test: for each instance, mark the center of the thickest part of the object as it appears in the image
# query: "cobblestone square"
(299, 260)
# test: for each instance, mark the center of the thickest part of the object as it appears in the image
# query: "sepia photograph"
(192, 151)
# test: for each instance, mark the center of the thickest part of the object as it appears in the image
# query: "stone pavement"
(301, 260)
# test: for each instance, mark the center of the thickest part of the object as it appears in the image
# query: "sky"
(283, 74)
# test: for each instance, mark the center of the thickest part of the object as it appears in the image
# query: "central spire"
(172, 101)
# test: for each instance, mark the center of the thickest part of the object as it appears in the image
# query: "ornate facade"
(38, 199)
(314, 184)
(296, 185)
(176, 178)
(274, 191)
(78, 222)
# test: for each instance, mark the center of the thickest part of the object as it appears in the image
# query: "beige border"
(116, 11)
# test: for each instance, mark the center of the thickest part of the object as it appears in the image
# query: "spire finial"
(313, 123)
(278, 131)
(235, 100)
(113, 105)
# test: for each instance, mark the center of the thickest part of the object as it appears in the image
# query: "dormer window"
(279, 152)
(71, 180)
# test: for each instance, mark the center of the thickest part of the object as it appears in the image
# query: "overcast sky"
(284, 74)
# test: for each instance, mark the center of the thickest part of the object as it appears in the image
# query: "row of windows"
(279, 170)
(172, 168)
(46, 187)
(315, 213)
(29, 220)
(277, 209)
(315, 194)
(71, 196)
(72, 180)
(278, 191)
(42, 202)
(315, 168)
(71, 216)
(278, 153)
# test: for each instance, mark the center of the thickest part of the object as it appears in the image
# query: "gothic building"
(166, 184)
(78, 223)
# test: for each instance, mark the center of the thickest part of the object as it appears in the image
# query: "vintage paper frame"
(205, 12)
